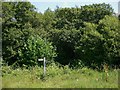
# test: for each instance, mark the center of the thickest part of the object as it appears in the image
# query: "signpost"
(44, 64)
(44, 61)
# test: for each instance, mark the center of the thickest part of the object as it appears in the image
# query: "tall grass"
(58, 77)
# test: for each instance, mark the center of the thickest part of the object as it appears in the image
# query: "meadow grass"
(58, 77)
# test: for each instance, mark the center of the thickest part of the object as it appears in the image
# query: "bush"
(26, 48)
(111, 35)
(99, 43)
(88, 48)
(35, 48)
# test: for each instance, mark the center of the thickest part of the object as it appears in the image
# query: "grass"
(58, 77)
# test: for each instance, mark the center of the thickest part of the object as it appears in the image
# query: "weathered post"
(44, 65)
(44, 61)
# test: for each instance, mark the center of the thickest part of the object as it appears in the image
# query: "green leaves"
(95, 12)
(87, 35)
(37, 48)
(111, 36)
(67, 18)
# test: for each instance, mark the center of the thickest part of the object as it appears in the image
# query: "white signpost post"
(44, 64)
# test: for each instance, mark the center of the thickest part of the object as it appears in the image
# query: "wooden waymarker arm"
(40, 59)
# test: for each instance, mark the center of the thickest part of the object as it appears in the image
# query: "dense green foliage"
(26, 48)
(88, 35)
(21, 42)
(102, 42)
(119, 16)
(111, 37)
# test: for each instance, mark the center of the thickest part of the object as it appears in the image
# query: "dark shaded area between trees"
(81, 36)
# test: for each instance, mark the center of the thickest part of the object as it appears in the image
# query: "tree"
(95, 12)
(68, 18)
(111, 32)
(18, 14)
(8, 12)
(48, 19)
(83, 34)
(64, 40)
(89, 47)
(119, 16)
(19, 23)
(76, 36)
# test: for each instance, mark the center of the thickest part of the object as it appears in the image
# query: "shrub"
(35, 48)
(24, 47)
(111, 35)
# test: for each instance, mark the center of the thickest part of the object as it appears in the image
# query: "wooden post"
(44, 66)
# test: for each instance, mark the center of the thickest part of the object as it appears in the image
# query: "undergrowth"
(58, 77)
